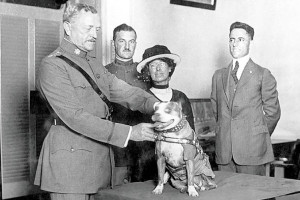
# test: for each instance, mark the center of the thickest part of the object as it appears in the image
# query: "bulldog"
(180, 158)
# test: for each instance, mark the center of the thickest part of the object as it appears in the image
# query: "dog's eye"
(167, 110)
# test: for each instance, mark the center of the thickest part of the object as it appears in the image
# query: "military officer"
(75, 160)
(124, 43)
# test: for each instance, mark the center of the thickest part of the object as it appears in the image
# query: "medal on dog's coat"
(178, 151)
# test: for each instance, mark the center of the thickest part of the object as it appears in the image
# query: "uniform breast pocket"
(106, 79)
(83, 89)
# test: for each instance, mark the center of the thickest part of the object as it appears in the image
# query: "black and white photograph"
(149, 100)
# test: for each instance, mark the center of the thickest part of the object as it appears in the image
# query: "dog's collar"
(176, 128)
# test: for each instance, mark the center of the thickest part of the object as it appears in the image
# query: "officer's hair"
(244, 26)
(122, 27)
(72, 10)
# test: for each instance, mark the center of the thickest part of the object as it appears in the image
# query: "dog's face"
(167, 115)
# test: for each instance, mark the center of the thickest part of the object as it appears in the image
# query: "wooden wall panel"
(14, 99)
(27, 34)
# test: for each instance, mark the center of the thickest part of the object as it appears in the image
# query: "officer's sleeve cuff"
(129, 134)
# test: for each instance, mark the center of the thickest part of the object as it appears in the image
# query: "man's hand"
(142, 131)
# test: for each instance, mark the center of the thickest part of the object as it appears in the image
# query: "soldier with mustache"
(123, 67)
(76, 159)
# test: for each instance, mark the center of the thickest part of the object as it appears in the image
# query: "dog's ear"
(179, 108)
(176, 106)
(175, 103)
(180, 105)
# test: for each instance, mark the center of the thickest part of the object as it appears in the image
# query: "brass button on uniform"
(98, 76)
(72, 149)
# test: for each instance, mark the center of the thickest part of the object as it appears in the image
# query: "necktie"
(234, 71)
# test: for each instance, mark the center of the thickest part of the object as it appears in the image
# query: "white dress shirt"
(242, 63)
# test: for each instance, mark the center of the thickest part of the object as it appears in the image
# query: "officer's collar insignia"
(77, 51)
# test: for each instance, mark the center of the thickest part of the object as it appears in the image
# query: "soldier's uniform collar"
(123, 63)
(72, 48)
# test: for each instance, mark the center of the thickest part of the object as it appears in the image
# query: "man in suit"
(123, 67)
(246, 107)
(76, 158)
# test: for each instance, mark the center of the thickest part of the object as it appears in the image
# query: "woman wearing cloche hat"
(157, 67)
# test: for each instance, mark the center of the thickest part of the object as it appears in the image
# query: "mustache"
(127, 50)
(92, 40)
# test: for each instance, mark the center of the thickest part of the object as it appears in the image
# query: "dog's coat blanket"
(192, 151)
(178, 151)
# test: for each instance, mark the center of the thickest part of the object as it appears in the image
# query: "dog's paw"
(192, 191)
(158, 189)
(210, 186)
(166, 177)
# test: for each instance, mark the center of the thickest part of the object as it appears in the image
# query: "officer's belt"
(58, 122)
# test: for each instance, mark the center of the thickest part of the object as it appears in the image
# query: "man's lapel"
(247, 74)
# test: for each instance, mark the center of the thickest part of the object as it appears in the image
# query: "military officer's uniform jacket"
(127, 72)
(75, 156)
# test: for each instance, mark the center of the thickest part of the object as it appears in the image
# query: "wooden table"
(231, 186)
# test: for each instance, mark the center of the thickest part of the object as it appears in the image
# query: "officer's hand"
(142, 131)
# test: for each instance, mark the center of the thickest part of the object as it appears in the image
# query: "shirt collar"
(242, 61)
(123, 63)
(71, 48)
(161, 91)
(162, 94)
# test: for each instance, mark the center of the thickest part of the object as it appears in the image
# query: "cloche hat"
(157, 51)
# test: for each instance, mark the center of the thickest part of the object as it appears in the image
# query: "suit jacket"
(75, 157)
(244, 127)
